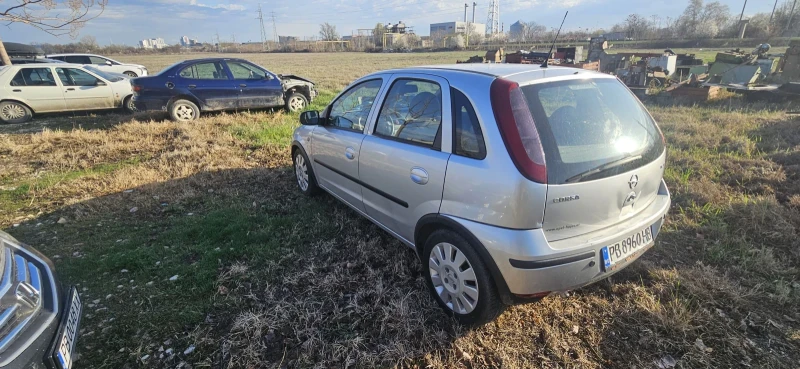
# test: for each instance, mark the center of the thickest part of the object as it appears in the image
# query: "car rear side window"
(78, 59)
(467, 134)
(411, 112)
(587, 126)
(34, 77)
(207, 70)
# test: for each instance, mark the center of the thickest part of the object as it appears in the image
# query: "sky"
(128, 21)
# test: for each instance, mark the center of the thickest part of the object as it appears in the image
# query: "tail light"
(518, 130)
(137, 88)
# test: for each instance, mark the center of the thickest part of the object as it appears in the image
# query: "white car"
(103, 63)
(56, 87)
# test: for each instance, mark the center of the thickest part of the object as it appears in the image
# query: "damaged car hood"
(292, 76)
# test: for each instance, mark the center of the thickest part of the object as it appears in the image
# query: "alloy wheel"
(297, 103)
(184, 112)
(453, 278)
(301, 171)
(13, 111)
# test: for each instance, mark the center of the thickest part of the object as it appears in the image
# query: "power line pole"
(274, 28)
(465, 11)
(219, 44)
(741, 16)
(263, 31)
(493, 21)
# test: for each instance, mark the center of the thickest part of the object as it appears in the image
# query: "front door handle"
(192, 86)
(242, 85)
(70, 89)
(17, 90)
(419, 175)
(350, 153)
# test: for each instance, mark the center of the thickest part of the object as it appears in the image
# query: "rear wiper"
(603, 168)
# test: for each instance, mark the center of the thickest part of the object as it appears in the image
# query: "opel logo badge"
(633, 181)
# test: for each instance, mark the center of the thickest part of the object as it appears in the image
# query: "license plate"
(622, 251)
(66, 343)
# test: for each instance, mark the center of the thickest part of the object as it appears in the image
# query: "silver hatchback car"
(510, 181)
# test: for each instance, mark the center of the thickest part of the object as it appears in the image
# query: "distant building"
(440, 30)
(185, 41)
(400, 27)
(153, 43)
(517, 30)
(283, 40)
(193, 42)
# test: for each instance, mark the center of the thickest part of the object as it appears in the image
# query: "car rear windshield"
(591, 129)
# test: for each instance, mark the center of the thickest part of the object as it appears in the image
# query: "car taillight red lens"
(518, 130)
(137, 88)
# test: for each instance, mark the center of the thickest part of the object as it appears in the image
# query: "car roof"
(40, 65)
(515, 72)
(73, 54)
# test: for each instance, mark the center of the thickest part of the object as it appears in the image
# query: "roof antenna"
(547, 58)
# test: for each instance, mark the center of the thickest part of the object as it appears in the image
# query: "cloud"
(235, 7)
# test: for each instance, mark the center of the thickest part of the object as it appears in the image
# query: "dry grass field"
(192, 248)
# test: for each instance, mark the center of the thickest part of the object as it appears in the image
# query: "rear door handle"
(192, 86)
(419, 175)
(350, 153)
(242, 85)
(70, 89)
(17, 90)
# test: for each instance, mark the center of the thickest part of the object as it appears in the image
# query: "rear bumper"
(145, 104)
(531, 265)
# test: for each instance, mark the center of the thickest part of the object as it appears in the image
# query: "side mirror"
(99, 83)
(309, 118)
(268, 76)
(108, 62)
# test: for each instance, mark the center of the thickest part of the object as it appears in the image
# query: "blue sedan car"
(190, 87)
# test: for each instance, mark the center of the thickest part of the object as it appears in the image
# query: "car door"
(404, 158)
(38, 88)
(210, 83)
(336, 143)
(258, 88)
(85, 91)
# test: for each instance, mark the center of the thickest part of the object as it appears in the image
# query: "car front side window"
(412, 112)
(76, 77)
(96, 60)
(207, 70)
(351, 110)
(241, 70)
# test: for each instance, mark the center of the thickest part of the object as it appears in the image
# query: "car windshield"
(108, 76)
(591, 128)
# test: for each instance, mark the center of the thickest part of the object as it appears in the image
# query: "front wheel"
(130, 74)
(459, 280)
(304, 174)
(183, 111)
(296, 102)
(14, 112)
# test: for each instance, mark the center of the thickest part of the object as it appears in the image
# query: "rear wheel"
(296, 102)
(14, 112)
(128, 105)
(459, 280)
(183, 111)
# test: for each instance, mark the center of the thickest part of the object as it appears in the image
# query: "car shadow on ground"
(250, 273)
(79, 120)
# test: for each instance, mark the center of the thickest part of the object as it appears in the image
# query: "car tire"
(296, 102)
(13, 112)
(304, 173)
(183, 111)
(129, 105)
(459, 280)
(130, 74)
